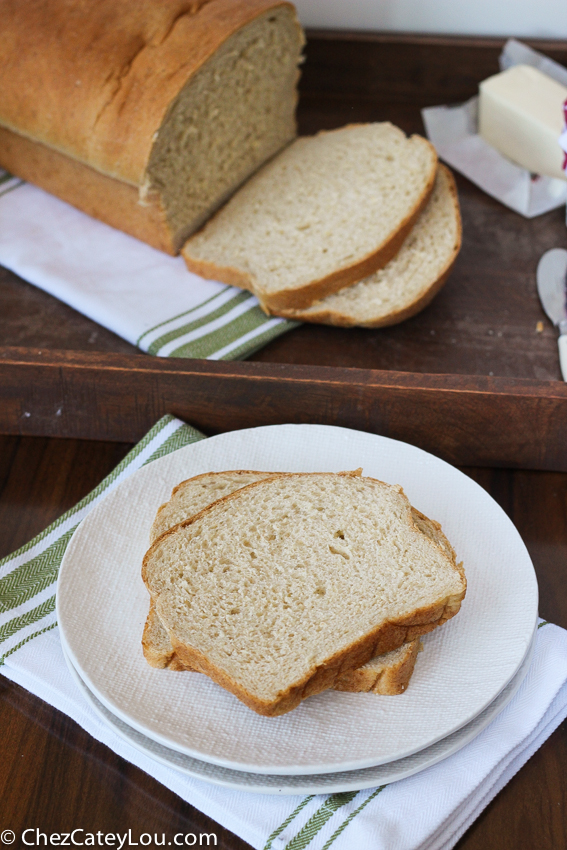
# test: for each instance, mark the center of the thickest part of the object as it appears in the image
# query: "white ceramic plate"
(322, 783)
(102, 605)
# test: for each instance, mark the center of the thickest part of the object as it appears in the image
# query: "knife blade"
(552, 291)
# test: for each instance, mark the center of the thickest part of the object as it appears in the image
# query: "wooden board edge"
(467, 420)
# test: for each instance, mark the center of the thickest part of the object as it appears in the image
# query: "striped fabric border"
(228, 326)
(28, 577)
(314, 819)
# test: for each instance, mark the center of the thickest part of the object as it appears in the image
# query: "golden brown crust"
(384, 638)
(155, 653)
(388, 681)
(327, 316)
(109, 71)
(224, 472)
(206, 475)
(105, 198)
(295, 299)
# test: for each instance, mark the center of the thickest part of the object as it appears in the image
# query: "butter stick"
(521, 115)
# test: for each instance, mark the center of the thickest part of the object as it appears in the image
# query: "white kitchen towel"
(428, 811)
(143, 295)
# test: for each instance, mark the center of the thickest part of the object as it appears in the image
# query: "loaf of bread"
(325, 213)
(147, 114)
(410, 280)
(280, 588)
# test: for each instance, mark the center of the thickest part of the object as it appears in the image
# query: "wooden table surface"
(53, 776)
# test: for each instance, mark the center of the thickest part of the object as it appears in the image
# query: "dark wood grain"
(53, 776)
(406, 69)
(473, 420)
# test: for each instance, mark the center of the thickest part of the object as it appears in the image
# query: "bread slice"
(325, 213)
(277, 590)
(149, 114)
(387, 675)
(410, 280)
(156, 643)
(194, 494)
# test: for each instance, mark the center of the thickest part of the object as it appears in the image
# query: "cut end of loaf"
(235, 113)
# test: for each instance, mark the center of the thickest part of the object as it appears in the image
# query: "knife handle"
(562, 343)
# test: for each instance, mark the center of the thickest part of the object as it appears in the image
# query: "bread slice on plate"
(191, 496)
(278, 589)
(325, 213)
(410, 280)
(387, 674)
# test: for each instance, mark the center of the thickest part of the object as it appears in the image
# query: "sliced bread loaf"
(325, 213)
(280, 588)
(148, 114)
(410, 280)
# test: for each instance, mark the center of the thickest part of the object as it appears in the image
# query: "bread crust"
(110, 73)
(295, 299)
(327, 316)
(385, 637)
(181, 485)
(109, 200)
(109, 70)
(158, 656)
(390, 681)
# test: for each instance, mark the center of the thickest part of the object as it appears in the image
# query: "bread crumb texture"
(235, 113)
(282, 586)
(410, 280)
(326, 204)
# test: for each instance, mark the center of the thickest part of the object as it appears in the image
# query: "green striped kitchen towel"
(143, 295)
(427, 811)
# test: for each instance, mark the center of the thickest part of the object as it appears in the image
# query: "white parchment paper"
(454, 132)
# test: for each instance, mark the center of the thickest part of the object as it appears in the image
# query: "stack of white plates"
(469, 669)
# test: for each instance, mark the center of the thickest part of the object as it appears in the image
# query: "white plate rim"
(292, 769)
(285, 784)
